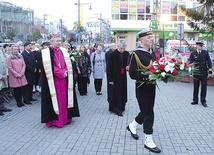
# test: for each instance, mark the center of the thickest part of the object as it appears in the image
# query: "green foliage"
(11, 34)
(206, 2)
(36, 35)
(190, 48)
(200, 20)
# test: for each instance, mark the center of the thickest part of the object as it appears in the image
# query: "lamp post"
(78, 29)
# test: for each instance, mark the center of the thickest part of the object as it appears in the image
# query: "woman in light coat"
(3, 70)
(17, 79)
(3, 80)
(98, 67)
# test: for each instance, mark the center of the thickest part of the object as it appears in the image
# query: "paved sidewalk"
(180, 128)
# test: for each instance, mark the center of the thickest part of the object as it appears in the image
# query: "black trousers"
(1, 99)
(98, 84)
(18, 93)
(82, 83)
(196, 83)
(145, 95)
(27, 92)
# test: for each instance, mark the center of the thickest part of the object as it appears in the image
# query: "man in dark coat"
(30, 71)
(117, 79)
(202, 62)
(141, 60)
(113, 47)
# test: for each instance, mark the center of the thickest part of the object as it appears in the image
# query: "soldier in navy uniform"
(142, 59)
(201, 59)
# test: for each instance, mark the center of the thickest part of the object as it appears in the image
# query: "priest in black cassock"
(117, 79)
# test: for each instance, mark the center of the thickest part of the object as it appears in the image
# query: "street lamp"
(90, 8)
(163, 20)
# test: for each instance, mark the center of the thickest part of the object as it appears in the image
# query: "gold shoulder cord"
(140, 65)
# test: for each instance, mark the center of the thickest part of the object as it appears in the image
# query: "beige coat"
(3, 70)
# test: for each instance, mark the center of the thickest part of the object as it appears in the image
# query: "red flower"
(174, 72)
(162, 60)
(173, 60)
(179, 62)
(162, 67)
(152, 69)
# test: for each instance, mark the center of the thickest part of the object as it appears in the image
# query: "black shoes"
(154, 150)
(204, 104)
(27, 102)
(194, 103)
(33, 99)
(135, 136)
(117, 112)
(5, 110)
(20, 104)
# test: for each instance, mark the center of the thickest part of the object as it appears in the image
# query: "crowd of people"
(48, 69)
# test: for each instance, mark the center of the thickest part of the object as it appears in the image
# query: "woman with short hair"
(17, 79)
(98, 65)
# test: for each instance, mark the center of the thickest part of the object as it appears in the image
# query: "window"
(147, 6)
(183, 5)
(195, 6)
(122, 39)
(123, 16)
(132, 16)
(148, 17)
(190, 35)
(173, 18)
(123, 6)
(140, 17)
(115, 16)
(174, 7)
(165, 7)
(181, 18)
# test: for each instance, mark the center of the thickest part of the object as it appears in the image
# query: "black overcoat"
(114, 66)
(47, 111)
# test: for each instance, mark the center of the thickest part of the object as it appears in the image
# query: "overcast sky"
(65, 9)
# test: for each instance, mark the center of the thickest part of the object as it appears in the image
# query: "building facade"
(98, 29)
(128, 17)
(16, 21)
